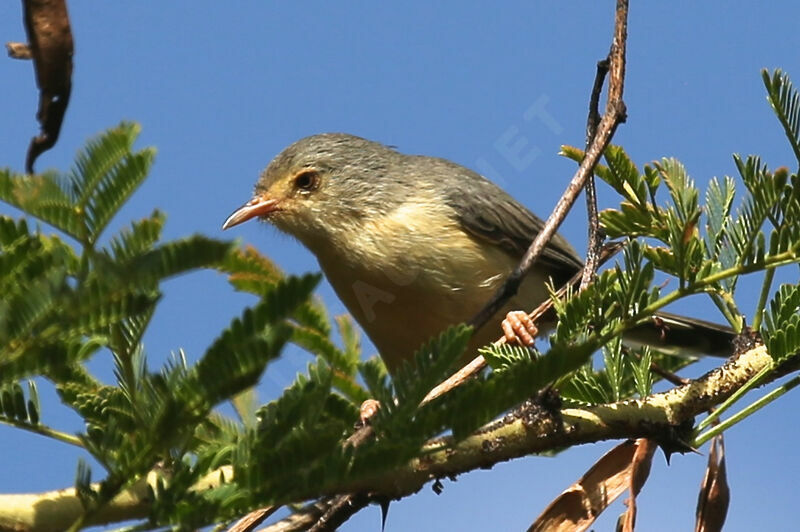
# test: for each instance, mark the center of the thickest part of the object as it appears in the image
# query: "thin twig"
(44, 431)
(614, 115)
(595, 236)
(478, 363)
(301, 519)
(253, 519)
(340, 510)
(604, 130)
(670, 377)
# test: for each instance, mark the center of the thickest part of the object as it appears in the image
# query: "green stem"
(739, 416)
(106, 493)
(727, 308)
(762, 299)
(77, 524)
(770, 262)
(44, 431)
(757, 378)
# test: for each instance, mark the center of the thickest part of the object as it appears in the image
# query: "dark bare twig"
(668, 376)
(51, 46)
(595, 236)
(593, 120)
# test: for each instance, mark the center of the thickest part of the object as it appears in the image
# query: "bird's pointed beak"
(258, 206)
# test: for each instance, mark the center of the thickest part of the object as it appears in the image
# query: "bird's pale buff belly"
(401, 308)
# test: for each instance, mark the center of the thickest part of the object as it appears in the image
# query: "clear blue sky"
(221, 87)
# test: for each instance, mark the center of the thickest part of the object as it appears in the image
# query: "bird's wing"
(489, 213)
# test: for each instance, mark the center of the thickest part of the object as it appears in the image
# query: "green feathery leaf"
(94, 162)
(250, 271)
(115, 188)
(139, 239)
(238, 357)
(785, 101)
(43, 197)
(719, 201)
(781, 330)
(501, 357)
(177, 257)
(433, 363)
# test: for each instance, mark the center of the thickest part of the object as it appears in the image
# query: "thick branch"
(526, 431)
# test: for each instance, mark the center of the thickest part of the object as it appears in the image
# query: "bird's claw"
(368, 409)
(519, 328)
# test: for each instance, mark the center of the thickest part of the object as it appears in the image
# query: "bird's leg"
(519, 328)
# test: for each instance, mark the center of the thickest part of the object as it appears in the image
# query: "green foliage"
(781, 331)
(432, 363)
(762, 233)
(297, 439)
(785, 101)
(719, 201)
(238, 357)
(642, 376)
(504, 356)
(15, 408)
(62, 304)
(478, 401)
(623, 374)
(82, 202)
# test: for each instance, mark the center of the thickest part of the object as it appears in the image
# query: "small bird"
(413, 244)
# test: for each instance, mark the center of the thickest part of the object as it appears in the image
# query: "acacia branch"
(665, 417)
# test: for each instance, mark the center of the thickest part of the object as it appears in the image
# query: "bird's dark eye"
(307, 180)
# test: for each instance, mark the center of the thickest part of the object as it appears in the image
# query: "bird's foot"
(519, 328)
(368, 409)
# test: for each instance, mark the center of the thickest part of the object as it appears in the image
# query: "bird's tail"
(679, 335)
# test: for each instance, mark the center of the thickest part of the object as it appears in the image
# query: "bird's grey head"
(326, 183)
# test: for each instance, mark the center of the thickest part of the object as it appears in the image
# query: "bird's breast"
(409, 275)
